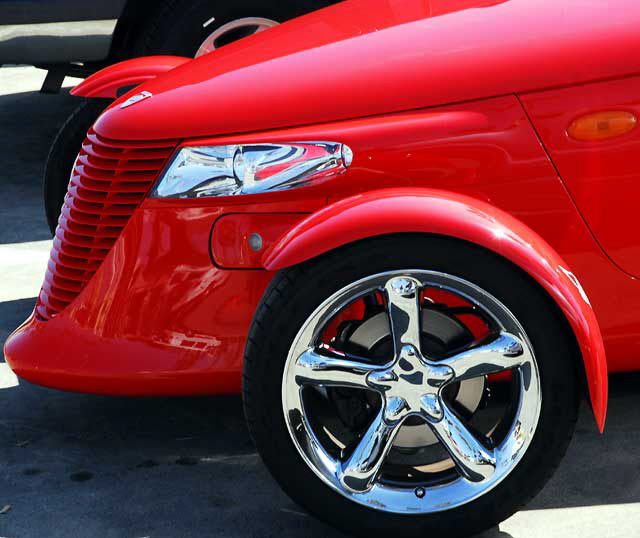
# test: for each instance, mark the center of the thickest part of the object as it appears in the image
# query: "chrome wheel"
(232, 31)
(420, 441)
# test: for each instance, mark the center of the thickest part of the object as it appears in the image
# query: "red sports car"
(405, 229)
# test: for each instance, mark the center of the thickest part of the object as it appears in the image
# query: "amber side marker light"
(602, 125)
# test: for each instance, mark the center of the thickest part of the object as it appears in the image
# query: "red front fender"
(123, 75)
(446, 213)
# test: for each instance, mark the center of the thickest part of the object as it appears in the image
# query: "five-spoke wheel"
(410, 386)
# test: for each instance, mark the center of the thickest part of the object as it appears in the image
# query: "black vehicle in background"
(79, 37)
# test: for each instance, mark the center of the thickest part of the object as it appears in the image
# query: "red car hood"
(365, 57)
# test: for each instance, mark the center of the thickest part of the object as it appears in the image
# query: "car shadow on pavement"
(12, 314)
(86, 465)
(181, 466)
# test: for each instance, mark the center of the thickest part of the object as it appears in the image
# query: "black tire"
(176, 28)
(63, 153)
(296, 292)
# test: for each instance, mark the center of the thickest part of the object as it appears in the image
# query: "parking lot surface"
(74, 465)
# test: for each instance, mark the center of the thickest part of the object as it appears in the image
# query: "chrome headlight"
(202, 171)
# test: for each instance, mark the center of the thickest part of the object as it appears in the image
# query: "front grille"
(109, 180)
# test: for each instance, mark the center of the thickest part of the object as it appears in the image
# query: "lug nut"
(432, 407)
(410, 351)
(406, 287)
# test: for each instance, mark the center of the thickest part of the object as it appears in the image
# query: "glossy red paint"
(157, 318)
(393, 211)
(108, 182)
(485, 149)
(161, 317)
(321, 67)
(602, 176)
(230, 246)
(488, 150)
(108, 81)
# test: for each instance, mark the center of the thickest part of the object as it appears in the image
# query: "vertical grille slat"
(109, 181)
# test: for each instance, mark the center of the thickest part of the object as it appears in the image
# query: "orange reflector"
(601, 125)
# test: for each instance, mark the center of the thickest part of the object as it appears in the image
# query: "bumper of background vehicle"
(158, 318)
(56, 42)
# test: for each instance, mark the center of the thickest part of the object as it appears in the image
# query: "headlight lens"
(203, 171)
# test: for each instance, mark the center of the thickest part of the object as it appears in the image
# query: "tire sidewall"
(180, 28)
(295, 294)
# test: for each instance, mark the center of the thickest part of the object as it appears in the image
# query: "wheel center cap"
(412, 385)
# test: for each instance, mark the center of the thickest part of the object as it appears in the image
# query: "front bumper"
(158, 317)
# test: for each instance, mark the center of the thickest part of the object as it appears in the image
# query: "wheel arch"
(427, 211)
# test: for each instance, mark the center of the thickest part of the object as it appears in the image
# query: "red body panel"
(329, 65)
(230, 237)
(157, 318)
(161, 316)
(108, 182)
(395, 211)
(108, 81)
(603, 175)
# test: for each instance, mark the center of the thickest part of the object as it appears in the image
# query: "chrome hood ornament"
(136, 98)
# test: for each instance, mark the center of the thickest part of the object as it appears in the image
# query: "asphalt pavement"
(75, 465)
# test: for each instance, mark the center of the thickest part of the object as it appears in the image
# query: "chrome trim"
(206, 171)
(136, 98)
(411, 384)
(469, 393)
